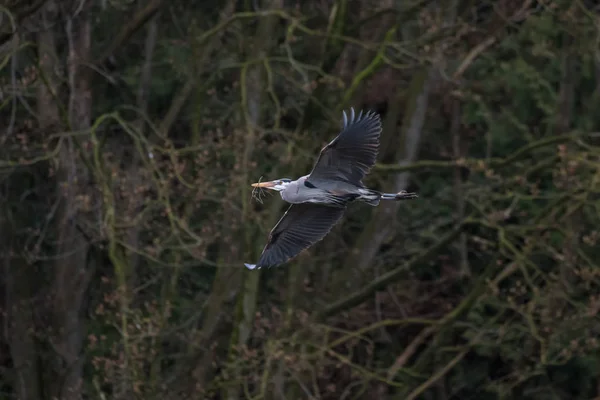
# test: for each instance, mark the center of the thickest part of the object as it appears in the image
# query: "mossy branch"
(135, 23)
(474, 162)
(369, 70)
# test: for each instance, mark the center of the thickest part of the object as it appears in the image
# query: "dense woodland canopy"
(131, 131)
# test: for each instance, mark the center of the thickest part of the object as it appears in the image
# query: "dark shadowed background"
(130, 132)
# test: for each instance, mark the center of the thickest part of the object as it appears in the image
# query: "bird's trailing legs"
(401, 195)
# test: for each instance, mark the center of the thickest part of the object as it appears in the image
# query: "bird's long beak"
(264, 184)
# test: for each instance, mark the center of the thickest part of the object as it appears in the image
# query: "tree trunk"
(563, 121)
(71, 273)
(252, 108)
(379, 227)
(19, 273)
(458, 184)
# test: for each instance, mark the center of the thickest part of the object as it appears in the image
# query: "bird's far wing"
(301, 226)
(350, 156)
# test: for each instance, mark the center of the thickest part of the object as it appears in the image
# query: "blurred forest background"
(132, 130)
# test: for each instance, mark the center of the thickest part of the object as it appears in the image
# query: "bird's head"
(277, 184)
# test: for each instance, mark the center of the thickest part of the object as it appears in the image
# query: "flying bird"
(319, 199)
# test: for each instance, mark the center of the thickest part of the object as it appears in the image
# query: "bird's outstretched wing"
(351, 155)
(301, 226)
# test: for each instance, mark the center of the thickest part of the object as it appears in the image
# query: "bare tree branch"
(134, 24)
(388, 278)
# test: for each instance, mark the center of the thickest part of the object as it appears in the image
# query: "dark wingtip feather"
(362, 116)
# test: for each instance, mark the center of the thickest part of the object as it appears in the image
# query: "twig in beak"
(257, 192)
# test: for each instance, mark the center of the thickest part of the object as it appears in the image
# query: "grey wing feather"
(301, 226)
(352, 154)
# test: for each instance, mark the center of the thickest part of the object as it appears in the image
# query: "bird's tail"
(373, 197)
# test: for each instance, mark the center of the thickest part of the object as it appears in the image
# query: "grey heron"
(318, 200)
